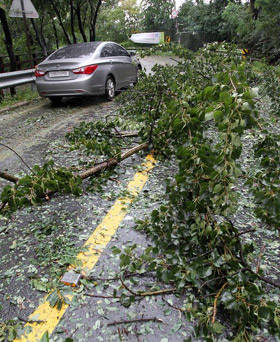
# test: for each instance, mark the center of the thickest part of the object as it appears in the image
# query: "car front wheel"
(110, 88)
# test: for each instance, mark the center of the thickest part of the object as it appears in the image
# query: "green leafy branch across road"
(196, 113)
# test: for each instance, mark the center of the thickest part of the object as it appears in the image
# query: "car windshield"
(75, 51)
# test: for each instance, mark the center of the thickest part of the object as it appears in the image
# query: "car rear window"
(75, 51)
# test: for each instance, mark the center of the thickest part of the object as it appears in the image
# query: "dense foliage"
(196, 244)
(43, 181)
(252, 24)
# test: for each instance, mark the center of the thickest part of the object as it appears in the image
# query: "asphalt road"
(36, 243)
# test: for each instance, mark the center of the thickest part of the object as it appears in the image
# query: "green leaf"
(217, 188)
(218, 328)
(218, 115)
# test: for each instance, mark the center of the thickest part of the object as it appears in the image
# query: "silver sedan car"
(94, 68)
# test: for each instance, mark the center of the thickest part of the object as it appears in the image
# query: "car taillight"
(39, 73)
(89, 69)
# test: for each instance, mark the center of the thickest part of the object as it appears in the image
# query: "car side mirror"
(132, 53)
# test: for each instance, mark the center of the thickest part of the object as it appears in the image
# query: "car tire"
(110, 88)
(55, 100)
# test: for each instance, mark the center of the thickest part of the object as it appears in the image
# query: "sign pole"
(28, 38)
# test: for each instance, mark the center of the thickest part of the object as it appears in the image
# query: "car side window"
(124, 52)
(119, 51)
(107, 51)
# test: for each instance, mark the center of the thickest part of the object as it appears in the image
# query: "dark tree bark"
(55, 34)
(254, 10)
(42, 33)
(8, 39)
(60, 21)
(72, 22)
(9, 44)
(94, 19)
(80, 23)
(39, 38)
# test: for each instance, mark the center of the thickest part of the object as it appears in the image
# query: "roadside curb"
(15, 106)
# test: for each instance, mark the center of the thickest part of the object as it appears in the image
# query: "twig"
(126, 275)
(247, 231)
(9, 148)
(173, 306)
(216, 301)
(120, 334)
(234, 87)
(147, 294)
(30, 320)
(153, 319)
(100, 296)
(270, 282)
(8, 177)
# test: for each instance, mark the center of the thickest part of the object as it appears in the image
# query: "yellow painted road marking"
(95, 245)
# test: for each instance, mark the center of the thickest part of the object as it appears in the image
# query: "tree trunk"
(80, 24)
(55, 34)
(60, 21)
(254, 10)
(93, 21)
(72, 22)
(8, 43)
(38, 38)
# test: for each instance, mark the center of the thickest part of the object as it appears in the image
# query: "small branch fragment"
(216, 301)
(141, 320)
(20, 157)
(8, 177)
(100, 296)
(147, 294)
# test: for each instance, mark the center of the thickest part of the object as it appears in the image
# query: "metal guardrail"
(15, 78)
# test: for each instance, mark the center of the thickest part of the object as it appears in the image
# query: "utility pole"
(27, 34)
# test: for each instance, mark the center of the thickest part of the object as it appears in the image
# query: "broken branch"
(8, 177)
(112, 162)
(153, 319)
(147, 294)
(100, 296)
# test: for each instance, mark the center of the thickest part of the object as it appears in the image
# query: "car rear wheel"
(55, 100)
(110, 88)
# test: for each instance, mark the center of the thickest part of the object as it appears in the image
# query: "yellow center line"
(97, 242)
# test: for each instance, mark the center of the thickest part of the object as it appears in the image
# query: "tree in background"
(119, 21)
(7, 36)
(60, 22)
(157, 15)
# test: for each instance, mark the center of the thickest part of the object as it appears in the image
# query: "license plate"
(59, 73)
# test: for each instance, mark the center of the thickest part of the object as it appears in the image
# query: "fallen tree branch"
(8, 177)
(147, 294)
(112, 162)
(100, 167)
(153, 319)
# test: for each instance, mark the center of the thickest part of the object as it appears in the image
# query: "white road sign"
(29, 9)
(148, 38)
